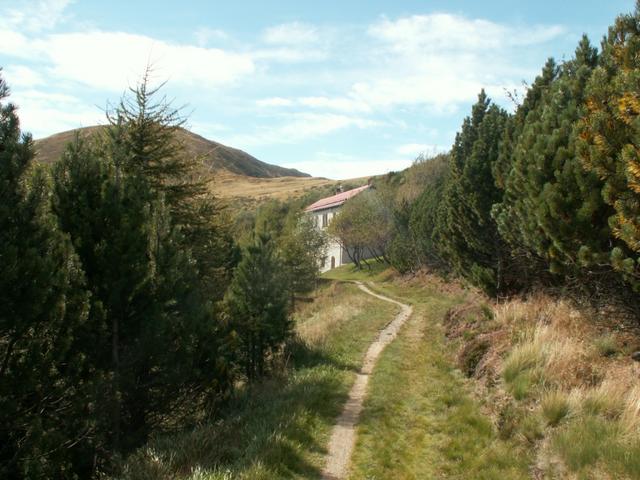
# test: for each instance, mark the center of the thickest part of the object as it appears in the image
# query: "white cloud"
(294, 33)
(340, 104)
(298, 127)
(15, 44)
(442, 32)
(18, 76)
(43, 114)
(442, 60)
(289, 54)
(206, 35)
(123, 57)
(35, 16)
(293, 42)
(274, 102)
(438, 61)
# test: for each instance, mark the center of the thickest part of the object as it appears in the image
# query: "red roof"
(335, 200)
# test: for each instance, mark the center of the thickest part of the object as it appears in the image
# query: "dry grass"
(549, 362)
(252, 190)
(318, 319)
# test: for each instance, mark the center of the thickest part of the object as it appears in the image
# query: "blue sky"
(335, 88)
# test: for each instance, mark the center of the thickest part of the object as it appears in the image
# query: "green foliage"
(145, 295)
(258, 306)
(364, 227)
(552, 209)
(111, 222)
(547, 196)
(595, 442)
(300, 245)
(302, 249)
(42, 303)
(423, 213)
(609, 143)
(465, 230)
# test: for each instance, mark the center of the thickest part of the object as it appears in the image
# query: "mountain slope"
(218, 157)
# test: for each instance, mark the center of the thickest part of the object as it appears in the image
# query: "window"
(325, 220)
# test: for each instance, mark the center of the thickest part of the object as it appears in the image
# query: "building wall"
(322, 219)
(334, 250)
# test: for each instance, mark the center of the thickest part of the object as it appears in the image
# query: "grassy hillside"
(238, 178)
(251, 190)
(219, 158)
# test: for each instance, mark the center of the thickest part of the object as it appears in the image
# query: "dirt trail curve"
(343, 436)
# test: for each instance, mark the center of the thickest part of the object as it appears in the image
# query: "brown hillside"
(218, 157)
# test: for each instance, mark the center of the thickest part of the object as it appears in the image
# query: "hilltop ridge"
(218, 157)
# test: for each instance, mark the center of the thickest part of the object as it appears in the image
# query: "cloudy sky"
(335, 88)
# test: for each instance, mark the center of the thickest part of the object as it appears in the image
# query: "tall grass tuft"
(555, 407)
(606, 345)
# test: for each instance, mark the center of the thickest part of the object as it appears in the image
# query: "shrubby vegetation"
(546, 196)
(363, 227)
(130, 302)
(127, 307)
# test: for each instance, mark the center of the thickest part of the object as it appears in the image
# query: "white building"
(323, 211)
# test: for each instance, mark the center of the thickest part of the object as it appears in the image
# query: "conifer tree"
(508, 175)
(42, 305)
(552, 208)
(108, 217)
(258, 305)
(610, 143)
(148, 142)
(302, 249)
(424, 215)
(466, 229)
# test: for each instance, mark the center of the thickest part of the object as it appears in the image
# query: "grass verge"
(420, 419)
(279, 427)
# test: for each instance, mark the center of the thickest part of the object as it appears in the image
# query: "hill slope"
(218, 157)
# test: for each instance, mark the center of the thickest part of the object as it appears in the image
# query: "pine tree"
(552, 207)
(609, 143)
(42, 305)
(507, 170)
(258, 305)
(147, 142)
(302, 249)
(109, 221)
(466, 230)
(424, 215)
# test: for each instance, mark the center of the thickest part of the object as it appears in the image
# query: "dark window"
(325, 219)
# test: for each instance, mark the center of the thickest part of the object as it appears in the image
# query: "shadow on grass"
(300, 355)
(269, 430)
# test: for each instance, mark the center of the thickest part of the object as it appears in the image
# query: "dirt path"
(343, 436)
